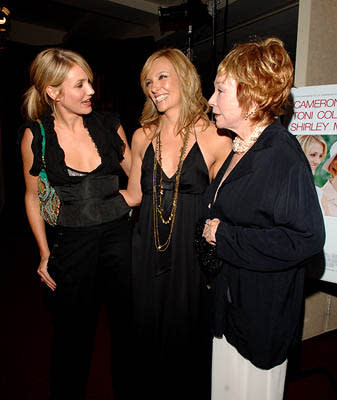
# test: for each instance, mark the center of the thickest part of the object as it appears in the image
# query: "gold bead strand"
(157, 209)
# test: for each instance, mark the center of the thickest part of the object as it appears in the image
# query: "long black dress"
(170, 293)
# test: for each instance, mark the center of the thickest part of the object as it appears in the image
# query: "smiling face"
(315, 155)
(163, 86)
(74, 95)
(226, 109)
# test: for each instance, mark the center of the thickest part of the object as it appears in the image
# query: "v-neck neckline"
(92, 137)
(185, 158)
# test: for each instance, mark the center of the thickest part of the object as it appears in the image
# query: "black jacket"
(271, 224)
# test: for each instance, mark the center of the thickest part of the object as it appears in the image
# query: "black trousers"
(91, 266)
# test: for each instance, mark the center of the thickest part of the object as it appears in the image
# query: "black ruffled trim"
(102, 128)
(55, 157)
(112, 123)
(36, 145)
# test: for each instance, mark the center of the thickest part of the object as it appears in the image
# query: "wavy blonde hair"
(194, 106)
(306, 141)
(264, 73)
(49, 68)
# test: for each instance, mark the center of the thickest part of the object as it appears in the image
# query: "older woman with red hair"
(264, 222)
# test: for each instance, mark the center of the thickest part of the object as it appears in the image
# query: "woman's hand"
(43, 272)
(32, 203)
(210, 229)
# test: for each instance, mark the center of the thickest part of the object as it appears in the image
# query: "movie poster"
(314, 122)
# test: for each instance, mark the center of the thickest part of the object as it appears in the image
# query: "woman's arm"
(133, 193)
(127, 160)
(32, 204)
(298, 232)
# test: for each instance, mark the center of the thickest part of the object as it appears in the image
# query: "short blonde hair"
(193, 105)
(49, 68)
(264, 73)
(306, 141)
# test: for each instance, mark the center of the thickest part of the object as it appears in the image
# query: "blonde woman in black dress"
(176, 154)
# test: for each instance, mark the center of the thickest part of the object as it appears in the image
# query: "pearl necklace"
(241, 146)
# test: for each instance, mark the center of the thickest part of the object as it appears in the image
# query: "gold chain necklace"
(157, 208)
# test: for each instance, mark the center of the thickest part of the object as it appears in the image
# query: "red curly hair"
(264, 73)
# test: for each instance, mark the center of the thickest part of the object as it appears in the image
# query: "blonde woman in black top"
(89, 262)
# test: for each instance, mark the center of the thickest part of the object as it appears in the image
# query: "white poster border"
(315, 113)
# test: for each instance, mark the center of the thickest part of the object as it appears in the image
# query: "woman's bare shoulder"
(141, 138)
(142, 134)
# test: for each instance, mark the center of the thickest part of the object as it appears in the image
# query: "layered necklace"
(158, 211)
(241, 146)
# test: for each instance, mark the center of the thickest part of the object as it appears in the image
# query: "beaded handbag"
(209, 262)
(49, 200)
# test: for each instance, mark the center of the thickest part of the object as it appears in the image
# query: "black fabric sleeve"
(36, 145)
(111, 123)
(298, 232)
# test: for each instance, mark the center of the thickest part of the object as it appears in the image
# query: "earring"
(248, 114)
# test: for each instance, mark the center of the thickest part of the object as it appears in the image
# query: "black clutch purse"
(209, 262)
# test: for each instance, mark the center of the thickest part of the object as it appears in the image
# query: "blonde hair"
(264, 73)
(49, 68)
(193, 104)
(306, 141)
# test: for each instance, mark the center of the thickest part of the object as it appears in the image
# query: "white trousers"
(236, 378)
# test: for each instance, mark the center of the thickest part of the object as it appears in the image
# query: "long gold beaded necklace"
(157, 208)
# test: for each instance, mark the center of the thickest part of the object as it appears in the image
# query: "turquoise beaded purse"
(49, 200)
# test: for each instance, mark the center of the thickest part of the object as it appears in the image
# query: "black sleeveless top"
(86, 199)
(178, 264)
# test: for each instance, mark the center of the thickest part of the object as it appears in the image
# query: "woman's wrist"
(44, 255)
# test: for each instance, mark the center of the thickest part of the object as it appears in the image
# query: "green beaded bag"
(49, 200)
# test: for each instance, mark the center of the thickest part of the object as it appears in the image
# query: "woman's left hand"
(210, 229)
